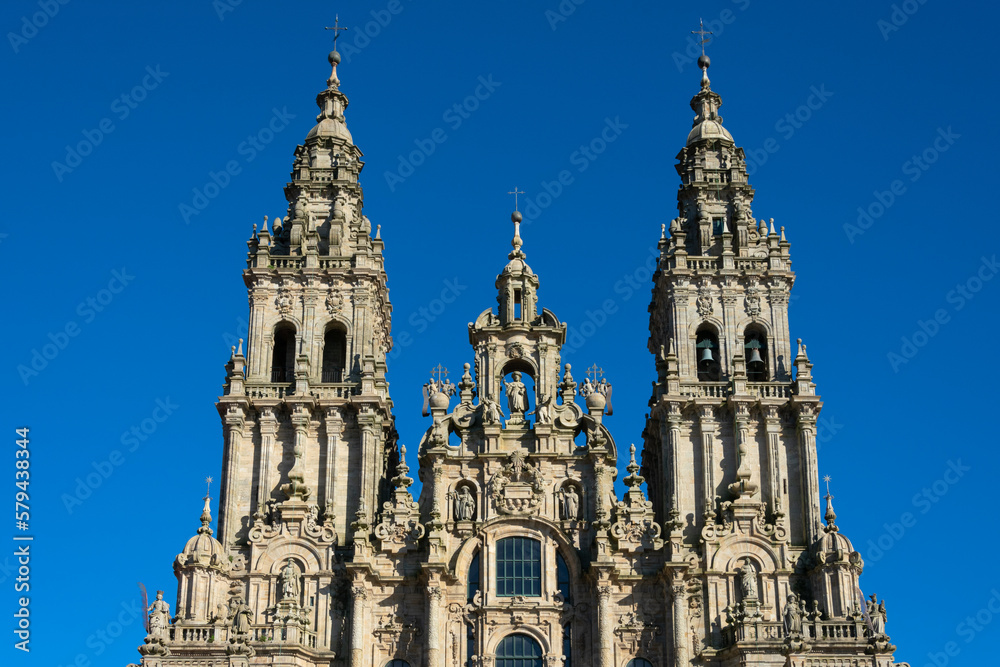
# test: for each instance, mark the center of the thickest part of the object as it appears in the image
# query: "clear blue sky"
(208, 81)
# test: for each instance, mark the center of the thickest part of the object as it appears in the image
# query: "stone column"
(604, 625)
(333, 425)
(679, 597)
(706, 422)
(673, 454)
(268, 429)
(435, 652)
(772, 484)
(359, 596)
(810, 481)
(367, 493)
(232, 481)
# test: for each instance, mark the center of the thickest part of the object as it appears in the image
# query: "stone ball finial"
(515, 216)
(704, 62)
(334, 58)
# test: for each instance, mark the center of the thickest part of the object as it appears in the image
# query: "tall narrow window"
(518, 651)
(334, 355)
(567, 645)
(519, 567)
(562, 577)
(473, 579)
(517, 304)
(707, 355)
(717, 226)
(472, 588)
(755, 348)
(283, 356)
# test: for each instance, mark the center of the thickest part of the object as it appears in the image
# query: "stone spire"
(831, 516)
(518, 285)
(206, 512)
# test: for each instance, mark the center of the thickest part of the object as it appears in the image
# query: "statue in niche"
(793, 617)
(289, 582)
(465, 505)
(159, 616)
(517, 394)
(748, 581)
(570, 503)
(240, 614)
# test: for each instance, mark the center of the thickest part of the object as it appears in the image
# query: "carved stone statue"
(748, 581)
(240, 614)
(491, 411)
(465, 505)
(570, 503)
(517, 395)
(793, 617)
(876, 611)
(543, 411)
(290, 582)
(159, 616)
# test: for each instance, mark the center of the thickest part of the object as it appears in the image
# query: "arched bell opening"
(283, 353)
(708, 354)
(756, 354)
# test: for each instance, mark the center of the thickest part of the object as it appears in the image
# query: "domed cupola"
(836, 567)
(203, 550)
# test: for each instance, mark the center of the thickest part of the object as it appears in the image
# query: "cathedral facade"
(518, 552)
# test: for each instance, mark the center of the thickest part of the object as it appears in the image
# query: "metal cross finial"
(595, 373)
(336, 30)
(701, 32)
(827, 480)
(439, 371)
(515, 192)
(208, 482)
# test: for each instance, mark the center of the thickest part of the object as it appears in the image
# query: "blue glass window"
(639, 662)
(562, 577)
(567, 641)
(397, 663)
(473, 579)
(519, 651)
(519, 567)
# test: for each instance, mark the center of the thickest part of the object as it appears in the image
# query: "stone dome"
(328, 127)
(708, 129)
(203, 550)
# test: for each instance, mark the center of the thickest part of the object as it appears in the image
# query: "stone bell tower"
(730, 439)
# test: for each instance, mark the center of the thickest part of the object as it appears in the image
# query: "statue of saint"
(517, 395)
(570, 503)
(290, 582)
(240, 614)
(793, 617)
(491, 411)
(465, 505)
(543, 411)
(748, 581)
(876, 612)
(159, 616)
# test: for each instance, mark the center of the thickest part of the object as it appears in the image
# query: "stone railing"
(287, 262)
(724, 389)
(334, 390)
(204, 634)
(280, 390)
(751, 264)
(269, 390)
(831, 631)
(335, 263)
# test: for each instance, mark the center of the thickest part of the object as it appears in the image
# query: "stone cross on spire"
(831, 516)
(515, 192)
(337, 30)
(701, 32)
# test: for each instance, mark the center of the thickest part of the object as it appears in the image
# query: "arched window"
(639, 662)
(562, 576)
(708, 354)
(519, 567)
(755, 348)
(334, 355)
(283, 356)
(473, 579)
(397, 663)
(518, 651)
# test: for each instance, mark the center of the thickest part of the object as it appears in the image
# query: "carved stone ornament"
(514, 350)
(284, 301)
(704, 302)
(752, 299)
(395, 633)
(518, 488)
(335, 302)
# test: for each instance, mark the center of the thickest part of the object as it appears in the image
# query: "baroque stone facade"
(518, 551)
